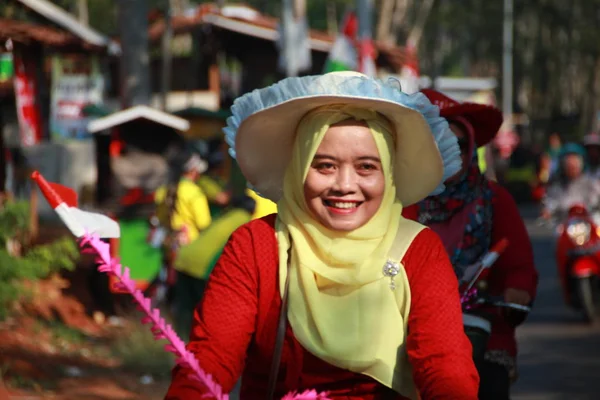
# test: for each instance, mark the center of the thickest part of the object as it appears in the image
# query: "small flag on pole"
(64, 201)
(343, 55)
(409, 74)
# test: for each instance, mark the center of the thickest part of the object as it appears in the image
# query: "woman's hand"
(517, 296)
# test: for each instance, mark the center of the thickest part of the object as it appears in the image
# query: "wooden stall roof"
(138, 112)
(68, 23)
(27, 33)
(247, 21)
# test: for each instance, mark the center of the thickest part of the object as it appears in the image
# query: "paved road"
(559, 354)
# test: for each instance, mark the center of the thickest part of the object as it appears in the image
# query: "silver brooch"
(391, 269)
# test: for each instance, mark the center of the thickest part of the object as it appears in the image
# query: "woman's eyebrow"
(323, 157)
(361, 158)
(369, 158)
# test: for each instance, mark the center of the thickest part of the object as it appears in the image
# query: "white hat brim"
(265, 139)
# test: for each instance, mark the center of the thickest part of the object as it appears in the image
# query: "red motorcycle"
(578, 261)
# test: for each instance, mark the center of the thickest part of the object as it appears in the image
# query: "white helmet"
(591, 139)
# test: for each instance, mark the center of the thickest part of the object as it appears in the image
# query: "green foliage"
(14, 220)
(37, 263)
(53, 257)
(62, 333)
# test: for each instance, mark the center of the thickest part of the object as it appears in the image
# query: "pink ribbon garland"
(162, 330)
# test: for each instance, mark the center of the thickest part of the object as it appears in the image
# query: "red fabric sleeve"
(438, 349)
(515, 268)
(224, 322)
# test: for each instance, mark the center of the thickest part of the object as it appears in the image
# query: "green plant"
(63, 333)
(14, 220)
(38, 262)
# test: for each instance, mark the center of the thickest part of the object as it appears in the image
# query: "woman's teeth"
(340, 204)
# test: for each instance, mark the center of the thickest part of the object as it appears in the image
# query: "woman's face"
(463, 143)
(345, 183)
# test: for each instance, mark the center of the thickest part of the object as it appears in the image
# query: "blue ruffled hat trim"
(351, 86)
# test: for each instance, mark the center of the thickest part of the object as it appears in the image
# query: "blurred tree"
(556, 55)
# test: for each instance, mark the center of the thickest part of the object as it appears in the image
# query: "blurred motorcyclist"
(572, 185)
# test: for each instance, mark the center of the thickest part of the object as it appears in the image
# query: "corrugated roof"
(252, 23)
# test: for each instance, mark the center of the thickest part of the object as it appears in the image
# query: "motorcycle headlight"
(579, 232)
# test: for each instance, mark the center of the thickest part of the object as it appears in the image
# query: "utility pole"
(135, 61)
(296, 53)
(332, 27)
(82, 12)
(367, 53)
(165, 84)
(365, 15)
(507, 64)
(384, 25)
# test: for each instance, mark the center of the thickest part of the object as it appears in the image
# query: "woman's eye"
(367, 167)
(324, 166)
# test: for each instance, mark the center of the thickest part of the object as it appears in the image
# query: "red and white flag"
(410, 70)
(64, 201)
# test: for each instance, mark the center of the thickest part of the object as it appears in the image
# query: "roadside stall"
(133, 148)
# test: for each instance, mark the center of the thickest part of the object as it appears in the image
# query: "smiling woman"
(336, 292)
(345, 183)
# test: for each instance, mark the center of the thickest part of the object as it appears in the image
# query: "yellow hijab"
(341, 307)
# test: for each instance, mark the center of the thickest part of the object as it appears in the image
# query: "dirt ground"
(41, 357)
(40, 362)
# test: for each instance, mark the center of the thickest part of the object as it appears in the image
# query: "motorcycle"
(479, 308)
(578, 261)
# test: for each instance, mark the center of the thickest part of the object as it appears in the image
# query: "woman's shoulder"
(425, 252)
(426, 241)
(259, 231)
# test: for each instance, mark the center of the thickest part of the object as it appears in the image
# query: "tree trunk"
(2, 156)
(135, 60)
(384, 25)
(417, 31)
(398, 18)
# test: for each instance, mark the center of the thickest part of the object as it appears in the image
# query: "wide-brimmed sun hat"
(485, 119)
(262, 129)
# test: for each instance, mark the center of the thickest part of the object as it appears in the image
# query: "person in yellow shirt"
(185, 211)
(190, 213)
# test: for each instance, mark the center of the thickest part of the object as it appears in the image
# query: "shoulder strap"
(281, 325)
(407, 231)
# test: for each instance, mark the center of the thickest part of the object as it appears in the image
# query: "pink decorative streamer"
(161, 329)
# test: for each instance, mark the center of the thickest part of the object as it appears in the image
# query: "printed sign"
(76, 83)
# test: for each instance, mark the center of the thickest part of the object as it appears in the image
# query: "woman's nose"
(345, 180)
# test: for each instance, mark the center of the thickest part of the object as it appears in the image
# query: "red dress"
(235, 328)
(514, 269)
